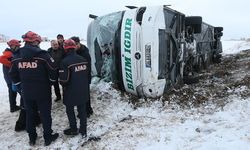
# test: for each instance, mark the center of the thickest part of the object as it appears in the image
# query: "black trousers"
(72, 118)
(57, 89)
(44, 107)
(12, 97)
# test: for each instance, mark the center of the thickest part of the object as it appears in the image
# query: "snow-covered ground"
(150, 125)
(232, 47)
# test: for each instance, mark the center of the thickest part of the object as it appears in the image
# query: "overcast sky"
(70, 17)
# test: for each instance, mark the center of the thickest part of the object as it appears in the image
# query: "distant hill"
(3, 38)
(240, 39)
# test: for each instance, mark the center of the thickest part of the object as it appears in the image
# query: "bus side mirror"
(92, 16)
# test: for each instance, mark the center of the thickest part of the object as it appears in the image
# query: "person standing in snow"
(32, 70)
(83, 51)
(73, 75)
(5, 59)
(57, 54)
(60, 40)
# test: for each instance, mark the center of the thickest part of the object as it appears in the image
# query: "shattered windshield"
(101, 41)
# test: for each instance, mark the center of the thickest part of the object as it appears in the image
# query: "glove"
(16, 88)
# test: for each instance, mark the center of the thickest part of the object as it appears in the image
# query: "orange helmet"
(14, 42)
(69, 44)
(31, 37)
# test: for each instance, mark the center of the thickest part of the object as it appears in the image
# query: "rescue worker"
(32, 70)
(57, 54)
(60, 40)
(83, 51)
(5, 59)
(73, 75)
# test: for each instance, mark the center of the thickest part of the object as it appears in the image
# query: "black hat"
(76, 39)
(59, 36)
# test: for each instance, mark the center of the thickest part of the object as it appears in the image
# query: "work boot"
(32, 138)
(83, 133)
(15, 108)
(50, 138)
(70, 131)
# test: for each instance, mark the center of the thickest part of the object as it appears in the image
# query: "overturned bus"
(148, 50)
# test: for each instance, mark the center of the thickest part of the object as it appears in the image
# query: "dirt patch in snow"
(216, 84)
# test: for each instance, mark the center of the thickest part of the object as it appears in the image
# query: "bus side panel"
(205, 41)
(128, 48)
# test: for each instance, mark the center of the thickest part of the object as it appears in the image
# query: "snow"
(148, 125)
(232, 47)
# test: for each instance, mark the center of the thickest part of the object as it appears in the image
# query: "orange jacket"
(5, 59)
